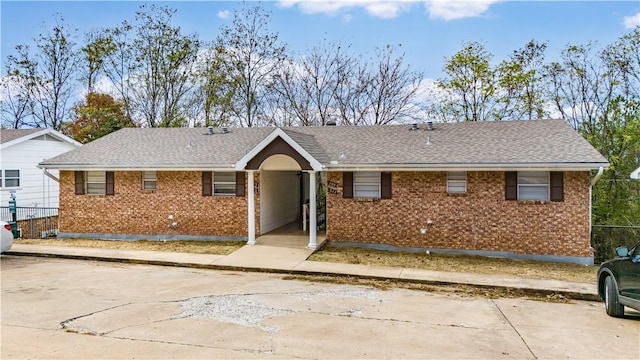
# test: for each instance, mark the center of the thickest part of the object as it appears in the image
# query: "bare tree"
(45, 77)
(215, 88)
(17, 104)
(580, 86)
(308, 87)
(391, 89)
(164, 60)
(150, 64)
(253, 55)
(95, 52)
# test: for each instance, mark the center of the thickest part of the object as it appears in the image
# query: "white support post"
(313, 242)
(252, 210)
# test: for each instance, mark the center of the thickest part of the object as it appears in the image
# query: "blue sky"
(428, 31)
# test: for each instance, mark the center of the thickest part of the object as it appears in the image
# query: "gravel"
(240, 310)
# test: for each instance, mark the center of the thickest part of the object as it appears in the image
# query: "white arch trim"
(242, 163)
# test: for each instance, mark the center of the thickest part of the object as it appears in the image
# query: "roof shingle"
(533, 143)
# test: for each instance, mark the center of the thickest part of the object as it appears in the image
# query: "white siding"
(279, 199)
(36, 189)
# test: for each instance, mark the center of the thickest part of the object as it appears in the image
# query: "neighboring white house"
(20, 153)
(636, 174)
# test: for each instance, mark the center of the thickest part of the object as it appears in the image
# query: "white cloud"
(452, 10)
(224, 14)
(347, 18)
(438, 9)
(631, 22)
(379, 8)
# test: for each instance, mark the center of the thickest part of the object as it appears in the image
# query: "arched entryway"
(287, 180)
(281, 195)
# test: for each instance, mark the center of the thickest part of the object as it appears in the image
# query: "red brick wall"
(479, 220)
(135, 211)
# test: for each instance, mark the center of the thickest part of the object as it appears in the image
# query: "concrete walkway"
(294, 261)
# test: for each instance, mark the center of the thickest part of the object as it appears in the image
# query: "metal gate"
(33, 222)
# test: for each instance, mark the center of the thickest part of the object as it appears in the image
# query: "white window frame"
(457, 182)
(149, 180)
(221, 185)
(5, 178)
(534, 185)
(366, 182)
(92, 181)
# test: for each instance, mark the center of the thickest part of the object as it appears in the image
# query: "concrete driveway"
(54, 308)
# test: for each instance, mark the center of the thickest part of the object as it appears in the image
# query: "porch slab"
(266, 257)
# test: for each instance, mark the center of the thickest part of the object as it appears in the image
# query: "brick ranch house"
(519, 189)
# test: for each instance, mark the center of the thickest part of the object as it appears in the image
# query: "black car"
(619, 281)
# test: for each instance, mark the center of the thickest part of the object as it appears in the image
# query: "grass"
(459, 263)
(434, 262)
(185, 246)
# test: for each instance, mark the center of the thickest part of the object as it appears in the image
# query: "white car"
(6, 236)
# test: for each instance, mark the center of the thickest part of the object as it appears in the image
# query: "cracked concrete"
(54, 308)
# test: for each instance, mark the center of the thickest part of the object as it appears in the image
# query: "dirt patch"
(434, 262)
(184, 246)
(464, 290)
(459, 263)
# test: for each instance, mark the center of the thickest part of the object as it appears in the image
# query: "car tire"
(611, 301)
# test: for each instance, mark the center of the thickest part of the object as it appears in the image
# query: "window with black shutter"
(240, 183)
(557, 186)
(385, 185)
(207, 183)
(511, 185)
(110, 183)
(347, 185)
(79, 182)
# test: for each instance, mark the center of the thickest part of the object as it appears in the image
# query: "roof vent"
(225, 130)
(211, 132)
(429, 125)
(331, 123)
(414, 127)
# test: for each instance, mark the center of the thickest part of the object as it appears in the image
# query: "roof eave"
(47, 131)
(470, 167)
(150, 167)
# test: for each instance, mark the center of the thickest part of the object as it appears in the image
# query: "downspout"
(598, 175)
(593, 182)
(44, 171)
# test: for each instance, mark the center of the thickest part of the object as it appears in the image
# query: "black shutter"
(110, 188)
(511, 185)
(385, 185)
(207, 186)
(240, 183)
(557, 186)
(79, 182)
(347, 185)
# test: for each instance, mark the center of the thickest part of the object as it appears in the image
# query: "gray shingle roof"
(7, 135)
(507, 144)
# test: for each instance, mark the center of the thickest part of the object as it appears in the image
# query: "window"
(366, 184)
(96, 182)
(457, 182)
(224, 183)
(149, 180)
(533, 185)
(11, 178)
